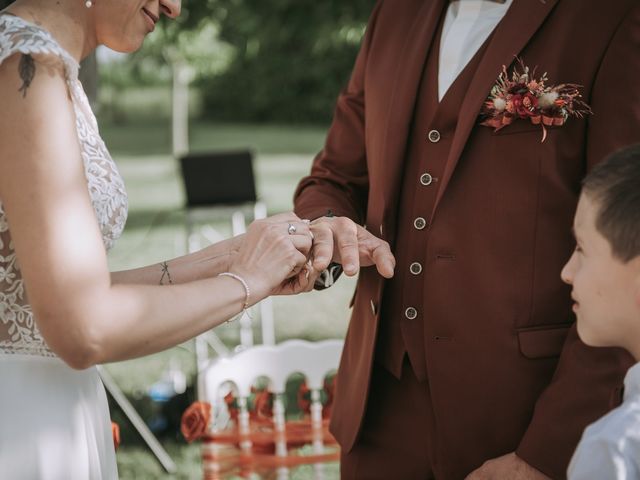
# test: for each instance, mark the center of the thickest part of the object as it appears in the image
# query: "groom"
(466, 363)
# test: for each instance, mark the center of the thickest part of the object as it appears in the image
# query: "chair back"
(242, 438)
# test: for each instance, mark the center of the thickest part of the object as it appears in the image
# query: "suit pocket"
(543, 341)
(523, 127)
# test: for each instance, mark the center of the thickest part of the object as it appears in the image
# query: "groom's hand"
(340, 240)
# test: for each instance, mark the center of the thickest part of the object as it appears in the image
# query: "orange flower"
(232, 406)
(195, 421)
(263, 404)
(115, 433)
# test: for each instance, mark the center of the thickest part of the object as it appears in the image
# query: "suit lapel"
(512, 34)
(403, 98)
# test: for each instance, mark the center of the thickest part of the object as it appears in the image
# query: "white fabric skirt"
(54, 422)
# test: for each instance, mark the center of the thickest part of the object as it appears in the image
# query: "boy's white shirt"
(610, 447)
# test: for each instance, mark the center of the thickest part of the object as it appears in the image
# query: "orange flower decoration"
(232, 406)
(115, 433)
(195, 421)
(263, 404)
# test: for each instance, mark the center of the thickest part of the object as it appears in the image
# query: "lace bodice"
(18, 328)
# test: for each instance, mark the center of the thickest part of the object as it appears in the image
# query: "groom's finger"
(345, 233)
(322, 246)
(384, 259)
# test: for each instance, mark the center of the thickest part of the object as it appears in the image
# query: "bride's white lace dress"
(54, 421)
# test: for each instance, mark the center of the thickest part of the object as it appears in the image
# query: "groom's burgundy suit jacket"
(505, 367)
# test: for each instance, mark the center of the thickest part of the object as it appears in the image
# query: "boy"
(604, 271)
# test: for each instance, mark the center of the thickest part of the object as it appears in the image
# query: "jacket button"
(419, 223)
(426, 179)
(415, 268)
(434, 136)
(411, 313)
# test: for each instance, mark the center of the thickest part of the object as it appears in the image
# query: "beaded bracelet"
(247, 292)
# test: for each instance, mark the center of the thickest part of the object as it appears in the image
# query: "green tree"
(290, 57)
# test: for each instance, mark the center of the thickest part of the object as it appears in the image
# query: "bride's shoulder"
(33, 81)
(30, 43)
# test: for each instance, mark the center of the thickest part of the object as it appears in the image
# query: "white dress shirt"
(467, 25)
(610, 448)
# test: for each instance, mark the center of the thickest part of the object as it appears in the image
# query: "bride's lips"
(151, 19)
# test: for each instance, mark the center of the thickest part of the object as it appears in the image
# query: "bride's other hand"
(303, 281)
(273, 256)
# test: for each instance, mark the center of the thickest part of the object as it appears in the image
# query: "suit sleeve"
(588, 380)
(339, 180)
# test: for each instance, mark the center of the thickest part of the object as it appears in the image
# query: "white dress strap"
(20, 36)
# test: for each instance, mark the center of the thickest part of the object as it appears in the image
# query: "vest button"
(415, 268)
(419, 223)
(434, 136)
(411, 313)
(426, 179)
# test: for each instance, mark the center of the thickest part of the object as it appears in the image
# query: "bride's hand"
(273, 256)
(301, 282)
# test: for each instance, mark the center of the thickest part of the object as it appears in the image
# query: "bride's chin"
(126, 47)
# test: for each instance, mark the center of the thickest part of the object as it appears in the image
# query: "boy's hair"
(614, 185)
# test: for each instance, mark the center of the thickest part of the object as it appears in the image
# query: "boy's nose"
(567, 271)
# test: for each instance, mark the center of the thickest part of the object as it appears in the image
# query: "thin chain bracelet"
(247, 291)
(165, 273)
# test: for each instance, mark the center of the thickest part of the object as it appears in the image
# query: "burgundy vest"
(404, 311)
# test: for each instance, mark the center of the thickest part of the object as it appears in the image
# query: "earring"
(88, 4)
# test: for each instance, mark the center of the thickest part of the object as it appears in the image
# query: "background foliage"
(256, 60)
(290, 58)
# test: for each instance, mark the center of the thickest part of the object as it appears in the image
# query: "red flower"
(232, 405)
(195, 421)
(525, 105)
(115, 433)
(263, 404)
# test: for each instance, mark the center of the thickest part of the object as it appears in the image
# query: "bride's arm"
(83, 316)
(205, 263)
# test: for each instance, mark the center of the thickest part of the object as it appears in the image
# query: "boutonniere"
(523, 96)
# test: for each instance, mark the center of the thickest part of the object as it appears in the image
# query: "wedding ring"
(292, 229)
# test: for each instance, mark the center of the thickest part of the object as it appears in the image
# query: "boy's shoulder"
(621, 421)
(625, 419)
(610, 447)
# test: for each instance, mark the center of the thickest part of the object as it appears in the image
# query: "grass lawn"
(155, 232)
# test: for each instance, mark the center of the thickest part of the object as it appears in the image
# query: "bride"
(62, 206)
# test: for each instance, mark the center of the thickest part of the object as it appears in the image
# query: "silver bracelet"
(247, 292)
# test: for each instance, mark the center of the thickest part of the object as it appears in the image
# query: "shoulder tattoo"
(27, 69)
